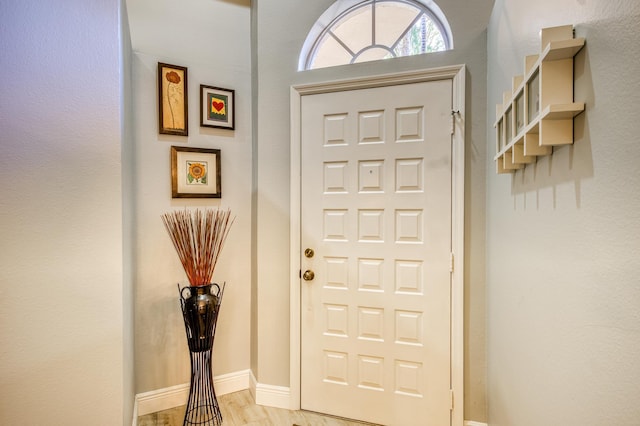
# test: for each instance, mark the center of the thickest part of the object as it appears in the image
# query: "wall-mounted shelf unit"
(537, 114)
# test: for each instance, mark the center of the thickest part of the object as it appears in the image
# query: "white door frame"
(456, 73)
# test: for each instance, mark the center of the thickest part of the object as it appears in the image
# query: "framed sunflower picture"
(195, 173)
(217, 107)
(173, 116)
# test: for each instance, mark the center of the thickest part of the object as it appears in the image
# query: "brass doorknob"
(308, 275)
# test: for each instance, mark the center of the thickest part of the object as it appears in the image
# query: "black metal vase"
(200, 312)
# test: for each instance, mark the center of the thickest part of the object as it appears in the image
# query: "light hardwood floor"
(239, 409)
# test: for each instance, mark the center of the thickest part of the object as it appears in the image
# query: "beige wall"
(106, 230)
(279, 40)
(563, 237)
(63, 296)
(210, 38)
(80, 207)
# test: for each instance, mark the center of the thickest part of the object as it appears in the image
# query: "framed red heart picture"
(217, 107)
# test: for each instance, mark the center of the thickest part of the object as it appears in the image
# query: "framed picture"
(195, 173)
(217, 107)
(173, 118)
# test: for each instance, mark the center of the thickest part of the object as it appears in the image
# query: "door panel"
(376, 210)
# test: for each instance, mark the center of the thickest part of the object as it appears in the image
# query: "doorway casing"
(456, 73)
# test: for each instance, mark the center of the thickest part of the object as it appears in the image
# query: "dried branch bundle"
(198, 238)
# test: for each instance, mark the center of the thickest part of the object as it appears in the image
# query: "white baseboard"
(162, 399)
(273, 396)
(175, 396)
(134, 422)
(253, 384)
(269, 395)
(232, 382)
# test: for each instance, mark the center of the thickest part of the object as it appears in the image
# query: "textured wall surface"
(61, 258)
(210, 38)
(563, 236)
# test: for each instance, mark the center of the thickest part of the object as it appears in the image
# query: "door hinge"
(451, 395)
(453, 121)
(451, 262)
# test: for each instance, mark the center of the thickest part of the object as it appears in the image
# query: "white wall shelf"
(537, 114)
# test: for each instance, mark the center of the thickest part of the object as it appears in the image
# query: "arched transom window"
(353, 31)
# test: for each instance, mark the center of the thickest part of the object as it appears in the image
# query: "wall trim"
(175, 396)
(368, 82)
(134, 420)
(456, 73)
(253, 384)
(162, 399)
(270, 395)
(267, 395)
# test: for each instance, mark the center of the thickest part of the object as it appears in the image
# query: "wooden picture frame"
(195, 173)
(173, 117)
(217, 107)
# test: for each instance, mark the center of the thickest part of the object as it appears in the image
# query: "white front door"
(376, 203)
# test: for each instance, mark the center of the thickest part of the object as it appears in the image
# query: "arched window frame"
(342, 8)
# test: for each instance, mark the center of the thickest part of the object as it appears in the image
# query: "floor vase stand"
(200, 312)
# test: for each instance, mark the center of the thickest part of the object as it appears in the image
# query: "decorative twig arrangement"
(198, 238)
